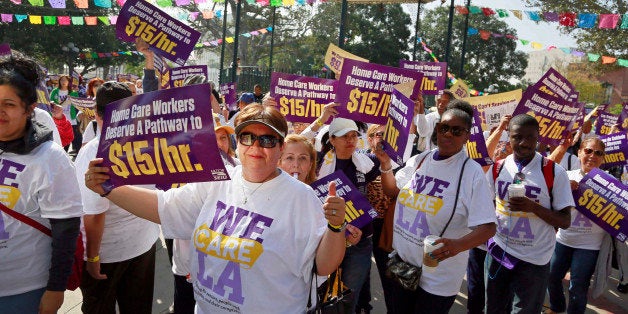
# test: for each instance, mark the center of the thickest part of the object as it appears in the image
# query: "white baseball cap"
(342, 126)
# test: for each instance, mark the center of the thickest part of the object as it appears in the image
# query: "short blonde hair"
(296, 138)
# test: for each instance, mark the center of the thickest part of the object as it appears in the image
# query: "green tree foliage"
(601, 41)
(44, 42)
(492, 61)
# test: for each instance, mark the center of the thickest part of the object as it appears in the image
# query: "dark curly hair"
(23, 74)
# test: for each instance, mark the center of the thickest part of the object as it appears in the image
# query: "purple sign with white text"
(434, 75)
(605, 122)
(229, 93)
(554, 83)
(604, 200)
(364, 90)
(555, 114)
(84, 105)
(358, 210)
(400, 114)
(168, 36)
(179, 74)
(476, 146)
(616, 149)
(161, 137)
(301, 98)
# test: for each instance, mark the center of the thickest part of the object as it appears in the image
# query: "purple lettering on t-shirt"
(502, 189)
(227, 218)
(9, 171)
(533, 192)
(229, 278)
(254, 228)
(581, 221)
(421, 182)
(522, 226)
(419, 225)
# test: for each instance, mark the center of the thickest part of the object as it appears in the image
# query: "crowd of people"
(252, 244)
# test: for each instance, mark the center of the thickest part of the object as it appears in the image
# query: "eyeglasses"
(455, 130)
(589, 151)
(265, 141)
(376, 134)
(519, 177)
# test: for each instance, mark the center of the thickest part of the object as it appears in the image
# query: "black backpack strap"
(456, 201)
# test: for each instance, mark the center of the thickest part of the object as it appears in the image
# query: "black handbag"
(406, 274)
(333, 297)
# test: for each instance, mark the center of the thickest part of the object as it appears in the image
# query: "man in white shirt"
(425, 123)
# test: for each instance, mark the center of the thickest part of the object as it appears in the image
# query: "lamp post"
(70, 50)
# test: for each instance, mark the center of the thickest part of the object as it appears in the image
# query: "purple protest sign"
(400, 114)
(605, 122)
(364, 90)
(84, 105)
(554, 83)
(301, 98)
(168, 36)
(161, 137)
(476, 146)
(616, 149)
(358, 210)
(179, 74)
(555, 114)
(604, 200)
(434, 75)
(162, 71)
(230, 95)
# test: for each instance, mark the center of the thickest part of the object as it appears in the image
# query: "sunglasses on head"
(265, 141)
(377, 134)
(455, 130)
(589, 151)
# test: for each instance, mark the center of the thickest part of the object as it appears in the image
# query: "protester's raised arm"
(138, 201)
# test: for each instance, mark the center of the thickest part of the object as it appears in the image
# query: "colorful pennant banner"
(107, 4)
(486, 35)
(568, 19)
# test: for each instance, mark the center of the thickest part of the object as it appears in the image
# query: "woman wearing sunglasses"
(577, 247)
(439, 192)
(255, 237)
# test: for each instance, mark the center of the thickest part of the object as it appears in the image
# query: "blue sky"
(544, 33)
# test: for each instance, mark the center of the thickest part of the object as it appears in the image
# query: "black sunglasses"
(265, 141)
(588, 151)
(455, 130)
(378, 134)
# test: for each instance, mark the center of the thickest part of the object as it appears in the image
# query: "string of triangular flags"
(212, 43)
(451, 77)
(569, 19)
(230, 40)
(93, 20)
(85, 4)
(593, 57)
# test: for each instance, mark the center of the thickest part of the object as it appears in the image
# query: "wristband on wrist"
(335, 228)
(105, 194)
(93, 259)
(319, 122)
(389, 170)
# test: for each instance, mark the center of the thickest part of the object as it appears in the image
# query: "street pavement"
(611, 302)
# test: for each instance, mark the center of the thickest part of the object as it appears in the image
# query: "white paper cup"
(429, 263)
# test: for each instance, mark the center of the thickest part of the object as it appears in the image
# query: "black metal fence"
(249, 76)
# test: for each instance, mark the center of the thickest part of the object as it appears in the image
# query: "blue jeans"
(582, 264)
(524, 286)
(24, 303)
(356, 265)
(419, 301)
(475, 281)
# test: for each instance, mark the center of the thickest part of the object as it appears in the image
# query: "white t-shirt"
(524, 235)
(40, 185)
(425, 127)
(424, 206)
(582, 233)
(247, 257)
(43, 117)
(89, 133)
(575, 162)
(125, 235)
